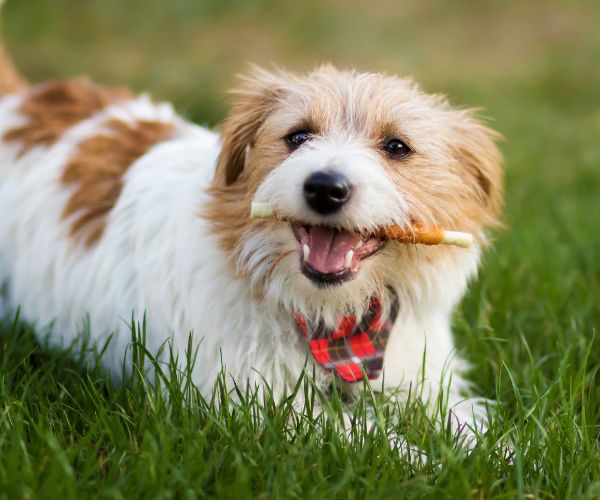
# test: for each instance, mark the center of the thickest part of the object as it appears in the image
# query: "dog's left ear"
(475, 150)
(254, 100)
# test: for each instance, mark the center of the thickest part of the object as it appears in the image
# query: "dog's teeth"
(348, 259)
(305, 252)
(359, 244)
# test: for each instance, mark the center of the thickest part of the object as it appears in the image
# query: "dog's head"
(343, 153)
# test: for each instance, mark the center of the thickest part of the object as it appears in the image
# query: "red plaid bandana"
(353, 348)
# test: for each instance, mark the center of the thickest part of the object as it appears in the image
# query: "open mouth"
(330, 256)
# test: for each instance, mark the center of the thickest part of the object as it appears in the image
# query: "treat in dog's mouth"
(330, 256)
(413, 233)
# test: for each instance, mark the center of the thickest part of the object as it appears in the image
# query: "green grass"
(529, 325)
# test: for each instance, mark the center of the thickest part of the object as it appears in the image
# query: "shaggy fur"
(169, 232)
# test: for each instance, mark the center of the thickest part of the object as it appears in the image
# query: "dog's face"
(341, 154)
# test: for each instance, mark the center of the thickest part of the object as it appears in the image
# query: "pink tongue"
(328, 248)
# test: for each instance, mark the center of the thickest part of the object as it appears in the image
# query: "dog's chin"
(332, 256)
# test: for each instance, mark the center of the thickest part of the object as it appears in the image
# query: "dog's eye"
(296, 139)
(397, 148)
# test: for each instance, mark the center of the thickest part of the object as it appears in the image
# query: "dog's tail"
(10, 79)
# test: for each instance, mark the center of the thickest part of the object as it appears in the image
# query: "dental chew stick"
(426, 235)
(417, 233)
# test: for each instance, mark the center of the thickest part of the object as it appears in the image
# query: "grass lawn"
(529, 325)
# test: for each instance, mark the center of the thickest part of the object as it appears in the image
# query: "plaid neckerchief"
(352, 349)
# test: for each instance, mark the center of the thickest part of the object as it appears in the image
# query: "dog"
(112, 203)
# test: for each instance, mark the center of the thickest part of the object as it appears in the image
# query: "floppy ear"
(254, 100)
(476, 152)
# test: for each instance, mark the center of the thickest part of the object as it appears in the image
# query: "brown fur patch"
(10, 80)
(228, 209)
(54, 107)
(255, 99)
(97, 170)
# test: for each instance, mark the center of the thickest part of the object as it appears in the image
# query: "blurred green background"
(493, 53)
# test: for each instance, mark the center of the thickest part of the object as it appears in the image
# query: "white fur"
(159, 257)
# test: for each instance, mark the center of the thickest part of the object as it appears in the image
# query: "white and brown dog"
(111, 203)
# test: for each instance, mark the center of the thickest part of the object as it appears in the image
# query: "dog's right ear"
(254, 100)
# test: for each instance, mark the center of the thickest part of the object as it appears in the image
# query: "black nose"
(326, 191)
